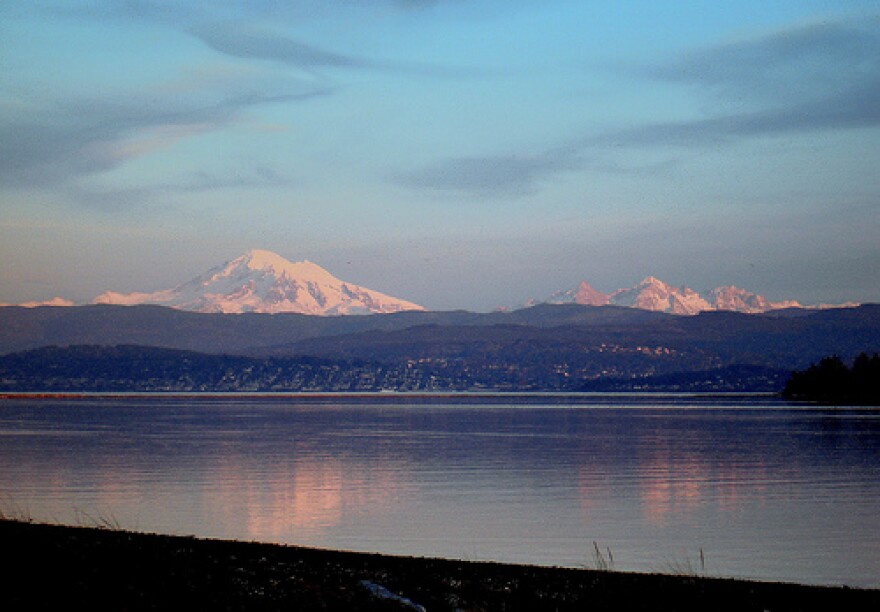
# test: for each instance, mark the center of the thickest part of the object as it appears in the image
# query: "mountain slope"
(261, 281)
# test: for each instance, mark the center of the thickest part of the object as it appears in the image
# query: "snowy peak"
(263, 281)
(651, 281)
(55, 301)
(259, 260)
(740, 300)
(583, 294)
(260, 264)
(653, 294)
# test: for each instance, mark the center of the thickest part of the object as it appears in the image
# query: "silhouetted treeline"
(832, 382)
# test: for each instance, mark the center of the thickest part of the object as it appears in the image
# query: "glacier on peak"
(264, 282)
(269, 262)
(654, 294)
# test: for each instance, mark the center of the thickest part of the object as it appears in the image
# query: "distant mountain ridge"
(263, 282)
(655, 295)
(566, 347)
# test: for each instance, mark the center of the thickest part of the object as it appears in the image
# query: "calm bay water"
(766, 490)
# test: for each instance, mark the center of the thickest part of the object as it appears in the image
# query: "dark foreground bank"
(53, 567)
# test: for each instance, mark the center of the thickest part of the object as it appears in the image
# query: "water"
(765, 490)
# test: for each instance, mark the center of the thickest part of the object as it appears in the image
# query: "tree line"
(831, 381)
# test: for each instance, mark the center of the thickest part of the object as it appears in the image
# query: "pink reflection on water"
(671, 482)
(675, 482)
(300, 500)
(292, 499)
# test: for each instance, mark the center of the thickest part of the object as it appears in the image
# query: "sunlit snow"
(262, 281)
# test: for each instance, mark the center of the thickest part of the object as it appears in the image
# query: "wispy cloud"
(857, 108)
(812, 59)
(159, 195)
(490, 176)
(802, 79)
(75, 138)
(263, 31)
(47, 142)
(253, 42)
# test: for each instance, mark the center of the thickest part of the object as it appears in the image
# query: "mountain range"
(550, 347)
(263, 282)
(259, 323)
(653, 294)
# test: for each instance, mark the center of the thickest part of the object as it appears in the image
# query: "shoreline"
(562, 398)
(108, 569)
(387, 393)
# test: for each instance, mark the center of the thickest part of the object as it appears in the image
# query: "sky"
(455, 153)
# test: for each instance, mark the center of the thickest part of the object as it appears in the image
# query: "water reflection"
(671, 484)
(678, 483)
(771, 493)
(299, 499)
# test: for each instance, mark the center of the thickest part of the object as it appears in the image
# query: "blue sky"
(459, 154)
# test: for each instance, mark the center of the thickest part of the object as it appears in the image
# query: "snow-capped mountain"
(55, 301)
(261, 281)
(582, 294)
(740, 300)
(654, 294)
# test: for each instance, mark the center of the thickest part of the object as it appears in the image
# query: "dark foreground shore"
(54, 567)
